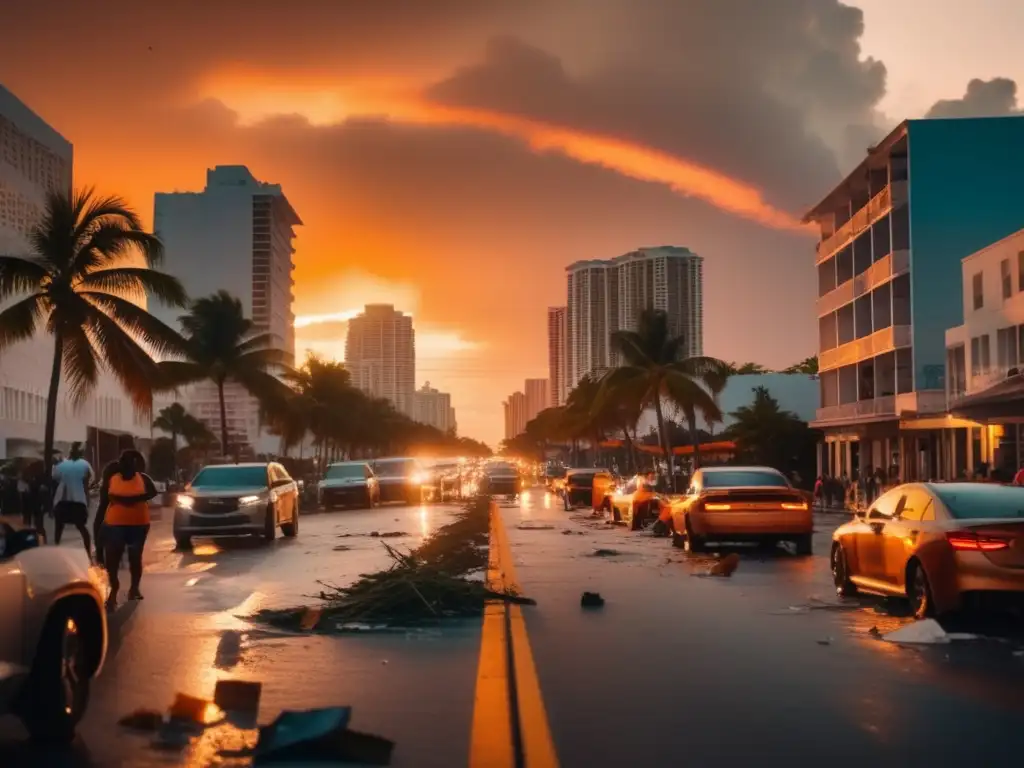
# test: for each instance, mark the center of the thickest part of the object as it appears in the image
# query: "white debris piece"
(926, 632)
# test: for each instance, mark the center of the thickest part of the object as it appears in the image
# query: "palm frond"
(134, 282)
(687, 393)
(112, 241)
(20, 275)
(174, 374)
(20, 320)
(78, 363)
(256, 343)
(630, 344)
(157, 335)
(261, 359)
(131, 365)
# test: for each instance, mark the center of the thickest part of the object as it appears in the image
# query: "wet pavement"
(757, 668)
(414, 688)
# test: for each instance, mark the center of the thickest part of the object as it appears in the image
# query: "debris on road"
(535, 527)
(825, 641)
(570, 532)
(310, 618)
(926, 632)
(238, 696)
(605, 553)
(229, 649)
(591, 600)
(192, 710)
(726, 566)
(342, 548)
(142, 720)
(388, 534)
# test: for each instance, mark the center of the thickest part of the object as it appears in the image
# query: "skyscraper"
(515, 415)
(606, 295)
(380, 353)
(434, 408)
(235, 235)
(556, 355)
(536, 391)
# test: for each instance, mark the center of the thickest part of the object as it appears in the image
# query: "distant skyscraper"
(380, 353)
(235, 235)
(557, 372)
(606, 295)
(536, 391)
(434, 408)
(515, 415)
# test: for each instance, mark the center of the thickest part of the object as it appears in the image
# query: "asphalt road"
(187, 634)
(751, 670)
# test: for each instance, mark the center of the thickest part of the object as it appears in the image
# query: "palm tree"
(808, 366)
(221, 345)
(746, 369)
(655, 369)
(177, 422)
(85, 289)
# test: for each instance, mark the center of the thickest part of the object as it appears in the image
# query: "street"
(674, 669)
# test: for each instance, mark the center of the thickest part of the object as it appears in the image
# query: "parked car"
(348, 484)
(632, 502)
(585, 488)
(237, 500)
(500, 478)
(940, 545)
(743, 504)
(401, 479)
(54, 636)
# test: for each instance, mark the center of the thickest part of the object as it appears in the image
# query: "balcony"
(877, 343)
(892, 196)
(892, 406)
(883, 270)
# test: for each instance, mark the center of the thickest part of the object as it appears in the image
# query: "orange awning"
(720, 446)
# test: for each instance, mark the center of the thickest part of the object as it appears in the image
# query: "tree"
(177, 422)
(655, 369)
(807, 366)
(85, 284)
(221, 345)
(746, 369)
(767, 435)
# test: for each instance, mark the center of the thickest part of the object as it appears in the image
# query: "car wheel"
(803, 545)
(919, 592)
(694, 543)
(678, 540)
(269, 525)
(292, 528)
(841, 573)
(182, 542)
(58, 690)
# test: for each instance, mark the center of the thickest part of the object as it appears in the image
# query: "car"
(585, 487)
(940, 545)
(401, 479)
(252, 499)
(54, 639)
(501, 478)
(741, 504)
(632, 502)
(348, 483)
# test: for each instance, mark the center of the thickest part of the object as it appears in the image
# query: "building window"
(979, 294)
(1006, 348)
(1004, 275)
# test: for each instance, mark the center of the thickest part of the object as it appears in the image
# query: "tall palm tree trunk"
(51, 412)
(666, 441)
(223, 418)
(174, 456)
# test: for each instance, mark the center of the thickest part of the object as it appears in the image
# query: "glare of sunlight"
(547, 500)
(424, 522)
(192, 582)
(331, 317)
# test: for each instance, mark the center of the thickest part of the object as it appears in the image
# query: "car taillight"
(799, 506)
(968, 541)
(716, 507)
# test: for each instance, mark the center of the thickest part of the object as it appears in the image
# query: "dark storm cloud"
(983, 98)
(772, 93)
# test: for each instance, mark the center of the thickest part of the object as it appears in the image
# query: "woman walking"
(109, 471)
(126, 524)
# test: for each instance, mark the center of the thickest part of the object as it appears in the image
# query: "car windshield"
(583, 480)
(978, 501)
(231, 477)
(741, 478)
(396, 468)
(345, 471)
(502, 469)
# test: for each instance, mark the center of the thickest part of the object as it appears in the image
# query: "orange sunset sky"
(452, 156)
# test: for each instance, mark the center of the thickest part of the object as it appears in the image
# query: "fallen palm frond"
(425, 585)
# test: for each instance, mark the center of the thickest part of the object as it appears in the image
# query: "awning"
(718, 447)
(1004, 400)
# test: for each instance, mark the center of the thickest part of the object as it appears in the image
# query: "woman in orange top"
(127, 522)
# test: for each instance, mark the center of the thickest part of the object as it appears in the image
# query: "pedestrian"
(71, 499)
(34, 495)
(126, 523)
(819, 484)
(101, 508)
(1018, 479)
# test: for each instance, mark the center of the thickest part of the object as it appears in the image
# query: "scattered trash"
(142, 720)
(605, 553)
(591, 600)
(534, 527)
(229, 649)
(238, 696)
(192, 710)
(825, 641)
(388, 534)
(310, 618)
(725, 567)
(875, 632)
(384, 661)
(342, 548)
(319, 735)
(926, 632)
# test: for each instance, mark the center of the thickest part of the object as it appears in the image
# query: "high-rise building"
(34, 161)
(536, 391)
(606, 295)
(434, 408)
(235, 235)
(893, 235)
(557, 355)
(515, 415)
(380, 354)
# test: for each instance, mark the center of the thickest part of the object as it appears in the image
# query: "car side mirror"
(280, 482)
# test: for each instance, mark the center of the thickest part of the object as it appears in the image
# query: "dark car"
(237, 500)
(502, 479)
(348, 484)
(578, 487)
(400, 479)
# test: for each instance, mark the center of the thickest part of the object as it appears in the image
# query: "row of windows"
(1007, 280)
(32, 159)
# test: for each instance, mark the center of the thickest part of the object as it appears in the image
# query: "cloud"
(983, 98)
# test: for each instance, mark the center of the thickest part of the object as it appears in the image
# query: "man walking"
(71, 499)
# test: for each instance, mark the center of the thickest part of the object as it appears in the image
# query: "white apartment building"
(515, 415)
(34, 160)
(235, 235)
(984, 358)
(557, 355)
(434, 408)
(536, 391)
(606, 295)
(380, 354)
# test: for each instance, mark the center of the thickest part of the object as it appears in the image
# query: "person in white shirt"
(71, 499)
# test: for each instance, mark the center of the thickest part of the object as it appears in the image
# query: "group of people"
(121, 523)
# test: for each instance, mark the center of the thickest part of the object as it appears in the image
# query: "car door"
(622, 500)
(12, 614)
(901, 533)
(290, 491)
(870, 535)
(602, 484)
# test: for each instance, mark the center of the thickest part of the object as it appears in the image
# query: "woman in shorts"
(127, 522)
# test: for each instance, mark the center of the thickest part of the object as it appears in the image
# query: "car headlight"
(185, 502)
(248, 501)
(418, 478)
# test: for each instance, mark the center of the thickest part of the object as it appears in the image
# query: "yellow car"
(633, 502)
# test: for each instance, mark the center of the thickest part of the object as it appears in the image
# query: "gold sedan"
(937, 544)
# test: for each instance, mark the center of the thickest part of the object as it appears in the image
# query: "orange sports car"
(938, 544)
(740, 504)
(633, 502)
